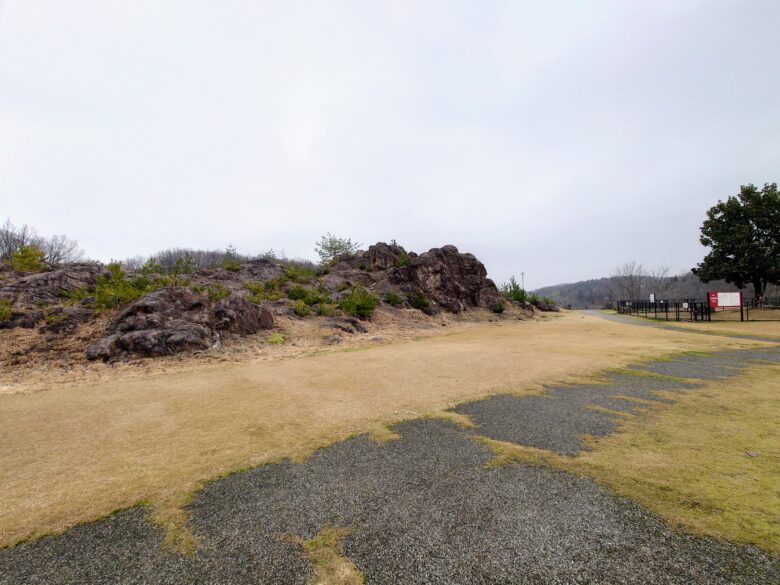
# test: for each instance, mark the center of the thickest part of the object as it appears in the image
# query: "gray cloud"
(556, 138)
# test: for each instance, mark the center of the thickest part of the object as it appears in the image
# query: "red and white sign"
(725, 300)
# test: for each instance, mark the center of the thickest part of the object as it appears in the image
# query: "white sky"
(554, 138)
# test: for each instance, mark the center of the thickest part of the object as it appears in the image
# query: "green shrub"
(5, 310)
(393, 298)
(325, 309)
(217, 291)
(499, 307)
(418, 300)
(343, 286)
(75, 294)
(548, 301)
(183, 265)
(297, 292)
(300, 274)
(276, 339)
(27, 259)
(331, 247)
(301, 309)
(231, 261)
(263, 291)
(513, 291)
(152, 266)
(359, 302)
(404, 259)
(316, 296)
(533, 298)
(116, 289)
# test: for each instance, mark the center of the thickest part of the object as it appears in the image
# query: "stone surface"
(47, 288)
(178, 319)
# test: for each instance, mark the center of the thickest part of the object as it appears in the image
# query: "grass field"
(75, 453)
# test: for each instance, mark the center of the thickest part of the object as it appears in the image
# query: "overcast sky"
(554, 138)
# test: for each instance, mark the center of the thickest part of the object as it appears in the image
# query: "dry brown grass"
(331, 566)
(709, 462)
(761, 328)
(31, 361)
(77, 452)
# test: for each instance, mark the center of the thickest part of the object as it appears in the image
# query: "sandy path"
(76, 453)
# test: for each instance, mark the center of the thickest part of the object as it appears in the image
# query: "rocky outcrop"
(189, 316)
(171, 320)
(453, 280)
(48, 288)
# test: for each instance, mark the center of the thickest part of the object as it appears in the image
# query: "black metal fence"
(699, 310)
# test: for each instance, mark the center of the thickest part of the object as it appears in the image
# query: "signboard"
(725, 300)
(652, 297)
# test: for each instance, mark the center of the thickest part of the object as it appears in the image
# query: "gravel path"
(424, 509)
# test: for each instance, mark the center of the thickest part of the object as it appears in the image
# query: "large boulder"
(385, 256)
(171, 320)
(452, 280)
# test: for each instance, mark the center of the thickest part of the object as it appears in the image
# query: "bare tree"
(57, 249)
(661, 283)
(629, 280)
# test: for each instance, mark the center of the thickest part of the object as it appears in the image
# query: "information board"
(725, 300)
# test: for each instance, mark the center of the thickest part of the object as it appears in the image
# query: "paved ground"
(424, 509)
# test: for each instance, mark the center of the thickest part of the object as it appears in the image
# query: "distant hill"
(603, 292)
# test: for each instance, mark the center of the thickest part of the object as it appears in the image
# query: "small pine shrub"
(27, 259)
(301, 309)
(183, 265)
(325, 309)
(393, 298)
(499, 307)
(263, 291)
(418, 300)
(300, 274)
(276, 339)
(231, 261)
(5, 310)
(116, 289)
(359, 302)
(404, 259)
(548, 301)
(75, 294)
(152, 266)
(217, 291)
(297, 293)
(533, 298)
(513, 291)
(317, 296)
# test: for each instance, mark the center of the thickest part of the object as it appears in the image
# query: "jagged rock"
(103, 349)
(347, 324)
(171, 320)
(23, 319)
(452, 280)
(237, 315)
(47, 288)
(385, 256)
(65, 319)
(542, 306)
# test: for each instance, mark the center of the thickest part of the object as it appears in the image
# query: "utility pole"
(522, 280)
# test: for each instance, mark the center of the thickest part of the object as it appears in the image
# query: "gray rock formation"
(171, 320)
